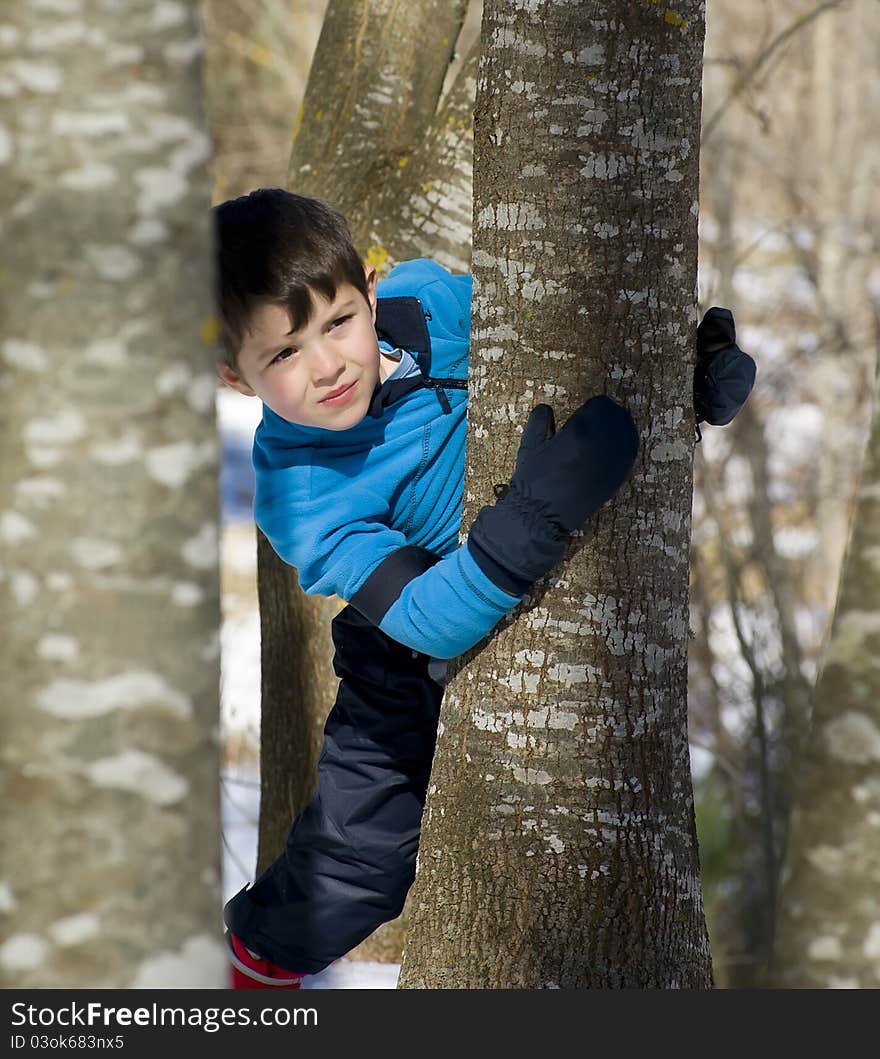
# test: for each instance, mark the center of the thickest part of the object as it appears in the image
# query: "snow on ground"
(238, 416)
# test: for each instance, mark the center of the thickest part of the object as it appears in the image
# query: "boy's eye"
(283, 355)
(341, 320)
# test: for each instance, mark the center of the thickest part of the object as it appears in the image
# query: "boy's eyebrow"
(335, 310)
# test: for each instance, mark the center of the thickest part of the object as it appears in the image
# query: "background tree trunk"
(558, 846)
(829, 917)
(784, 209)
(349, 146)
(108, 493)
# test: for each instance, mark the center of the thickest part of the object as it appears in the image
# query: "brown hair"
(274, 247)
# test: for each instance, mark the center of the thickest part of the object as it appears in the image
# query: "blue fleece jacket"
(372, 514)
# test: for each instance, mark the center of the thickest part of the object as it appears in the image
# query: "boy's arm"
(443, 606)
(724, 375)
(440, 606)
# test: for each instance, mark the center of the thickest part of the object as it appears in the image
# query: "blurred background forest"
(790, 163)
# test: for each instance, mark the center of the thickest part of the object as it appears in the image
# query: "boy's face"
(300, 375)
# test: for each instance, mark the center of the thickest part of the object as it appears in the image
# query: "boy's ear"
(232, 379)
(372, 276)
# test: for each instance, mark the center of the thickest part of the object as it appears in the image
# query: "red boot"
(250, 971)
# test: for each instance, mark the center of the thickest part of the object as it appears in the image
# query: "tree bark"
(558, 845)
(108, 494)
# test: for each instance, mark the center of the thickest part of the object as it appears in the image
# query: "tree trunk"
(829, 917)
(358, 131)
(297, 688)
(108, 493)
(347, 151)
(558, 845)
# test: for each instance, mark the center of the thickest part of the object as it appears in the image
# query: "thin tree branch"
(733, 576)
(749, 72)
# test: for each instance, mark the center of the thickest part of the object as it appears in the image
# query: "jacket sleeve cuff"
(449, 609)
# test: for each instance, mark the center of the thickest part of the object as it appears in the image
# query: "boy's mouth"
(338, 392)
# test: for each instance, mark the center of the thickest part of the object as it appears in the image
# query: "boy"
(359, 466)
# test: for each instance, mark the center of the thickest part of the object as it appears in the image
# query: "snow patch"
(201, 963)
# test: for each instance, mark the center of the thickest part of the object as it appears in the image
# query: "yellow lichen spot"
(445, 41)
(675, 19)
(209, 331)
(314, 172)
(426, 187)
(402, 162)
(297, 121)
(260, 55)
(376, 256)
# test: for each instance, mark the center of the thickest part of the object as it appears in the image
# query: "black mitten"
(724, 375)
(559, 481)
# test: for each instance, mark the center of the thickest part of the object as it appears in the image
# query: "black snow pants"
(351, 853)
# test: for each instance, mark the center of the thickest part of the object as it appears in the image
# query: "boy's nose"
(326, 362)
